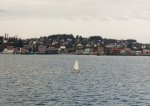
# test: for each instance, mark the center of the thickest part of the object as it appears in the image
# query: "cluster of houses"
(68, 44)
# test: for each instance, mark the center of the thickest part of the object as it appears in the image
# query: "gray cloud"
(2, 11)
(67, 9)
(106, 17)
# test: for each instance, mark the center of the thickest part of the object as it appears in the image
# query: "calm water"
(48, 80)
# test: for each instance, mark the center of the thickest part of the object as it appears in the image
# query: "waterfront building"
(8, 50)
(146, 52)
(126, 51)
(100, 51)
(52, 50)
(41, 49)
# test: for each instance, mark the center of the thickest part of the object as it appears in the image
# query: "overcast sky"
(119, 19)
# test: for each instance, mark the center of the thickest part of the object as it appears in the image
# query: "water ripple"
(47, 80)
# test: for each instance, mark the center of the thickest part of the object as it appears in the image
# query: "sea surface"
(49, 80)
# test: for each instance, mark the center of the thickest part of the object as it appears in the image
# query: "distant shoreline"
(73, 54)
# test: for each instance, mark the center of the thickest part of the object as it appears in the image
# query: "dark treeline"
(65, 38)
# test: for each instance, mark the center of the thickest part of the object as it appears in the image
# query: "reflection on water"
(29, 80)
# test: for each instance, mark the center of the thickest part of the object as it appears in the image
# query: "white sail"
(76, 65)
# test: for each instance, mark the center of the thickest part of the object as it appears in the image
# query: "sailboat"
(76, 66)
